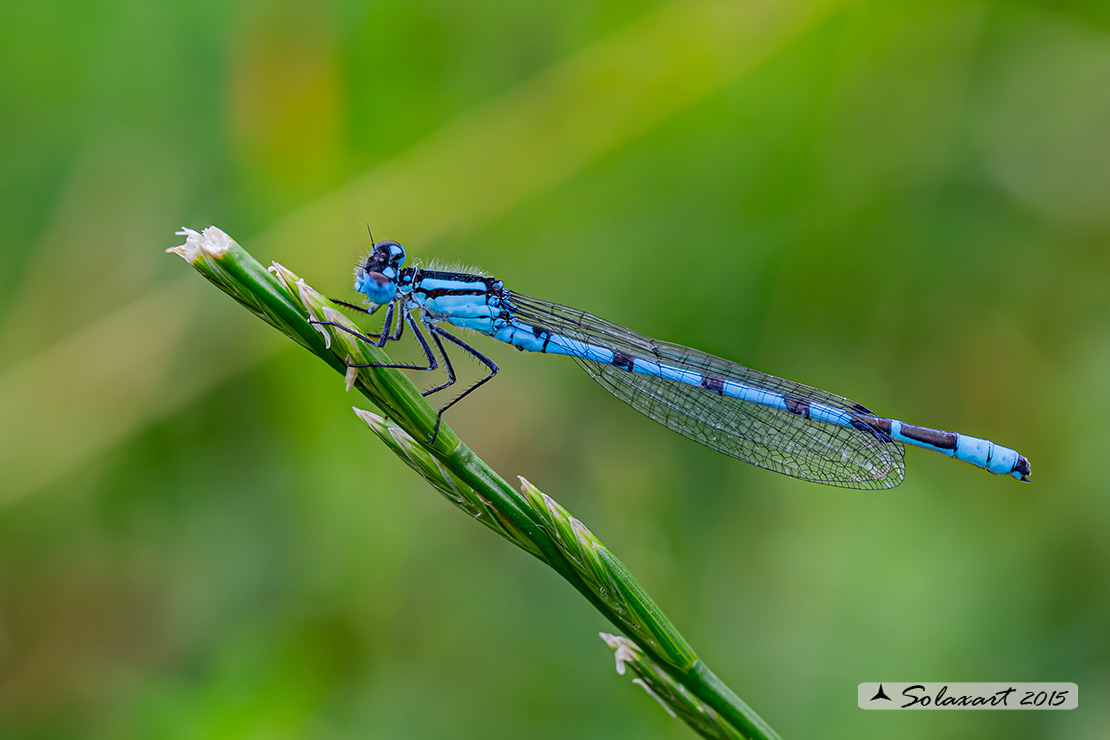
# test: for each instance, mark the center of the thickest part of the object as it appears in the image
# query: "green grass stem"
(664, 663)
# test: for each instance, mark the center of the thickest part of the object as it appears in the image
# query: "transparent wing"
(788, 443)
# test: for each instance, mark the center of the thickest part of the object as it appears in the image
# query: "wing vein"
(765, 436)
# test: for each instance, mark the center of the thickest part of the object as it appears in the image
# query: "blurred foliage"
(907, 203)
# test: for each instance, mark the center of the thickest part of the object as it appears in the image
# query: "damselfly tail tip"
(1022, 470)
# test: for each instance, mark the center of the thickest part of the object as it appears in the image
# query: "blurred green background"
(906, 203)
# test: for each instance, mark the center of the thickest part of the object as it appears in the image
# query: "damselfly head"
(377, 277)
(385, 255)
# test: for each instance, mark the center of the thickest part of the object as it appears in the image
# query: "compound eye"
(391, 251)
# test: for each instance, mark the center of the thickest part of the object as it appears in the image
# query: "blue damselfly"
(777, 424)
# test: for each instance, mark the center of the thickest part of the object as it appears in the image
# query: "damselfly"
(774, 423)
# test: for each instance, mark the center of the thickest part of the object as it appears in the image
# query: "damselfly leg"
(388, 334)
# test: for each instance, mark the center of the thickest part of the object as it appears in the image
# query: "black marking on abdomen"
(876, 426)
(622, 360)
(545, 333)
(934, 437)
(797, 406)
(716, 385)
(1022, 466)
